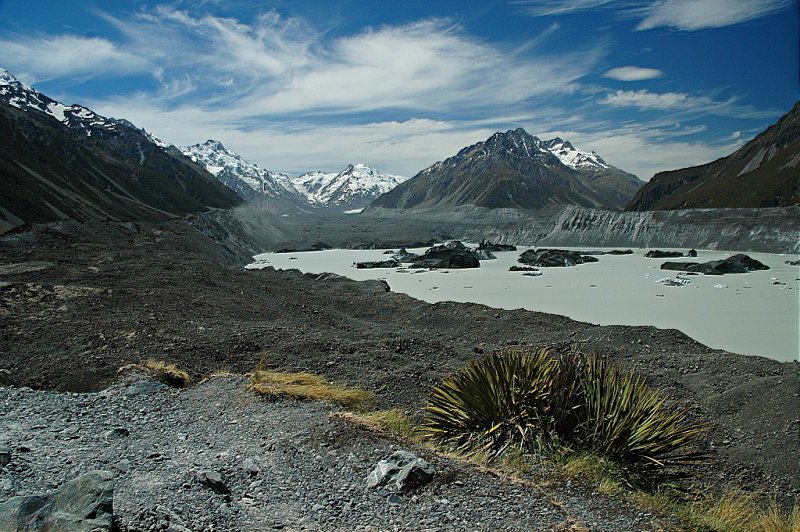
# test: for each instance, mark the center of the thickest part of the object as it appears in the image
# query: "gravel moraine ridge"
(287, 465)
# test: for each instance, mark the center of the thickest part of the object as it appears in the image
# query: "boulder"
(552, 258)
(612, 252)
(485, 254)
(81, 505)
(403, 470)
(388, 263)
(736, 264)
(213, 480)
(658, 254)
(448, 258)
(489, 246)
(516, 268)
(404, 256)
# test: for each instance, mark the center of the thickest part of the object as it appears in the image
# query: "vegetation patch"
(306, 386)
(162, 371)
(545, 402)
(393, 423)
(734, 511)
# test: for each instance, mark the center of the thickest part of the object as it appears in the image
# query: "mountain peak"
(214, 145)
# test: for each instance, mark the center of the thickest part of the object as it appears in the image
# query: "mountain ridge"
(765, 172)
(68, 162)
(518, 170)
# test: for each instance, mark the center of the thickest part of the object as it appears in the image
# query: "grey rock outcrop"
(402, 470)
(81, 505)
(736, 264)
(552, 258)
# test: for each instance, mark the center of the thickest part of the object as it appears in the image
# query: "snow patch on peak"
(574, 158)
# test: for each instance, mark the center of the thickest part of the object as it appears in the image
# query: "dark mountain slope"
(765, 172)
(517, 170)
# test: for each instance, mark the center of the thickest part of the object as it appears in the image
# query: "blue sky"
(298, 85)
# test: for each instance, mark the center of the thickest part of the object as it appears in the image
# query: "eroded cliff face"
(757, 230)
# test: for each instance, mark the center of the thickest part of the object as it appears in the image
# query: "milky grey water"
(756, 313)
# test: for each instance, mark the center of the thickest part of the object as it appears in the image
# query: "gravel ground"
(76, 303)
(286, 464)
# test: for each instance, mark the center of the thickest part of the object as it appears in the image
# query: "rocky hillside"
(517, 170)
(765, 172)
(61, 162)
(244, 177)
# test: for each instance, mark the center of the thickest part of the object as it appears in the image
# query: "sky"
(297, 86)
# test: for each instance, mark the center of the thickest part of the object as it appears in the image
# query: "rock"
(448, 258)
(388, 263)
(251, 467)
(212, 479)
(145, 388)
(485, 254)
(402, 470)
(516, 268)
(793, 262)
(551, 258)
(5, 456)
(7, 379)
(691, 253)
(83, 504)
(321, 246)
(404, 256)
(489, 246)
(658, 254)
(736, 264)
(612, 252)
(117, 433)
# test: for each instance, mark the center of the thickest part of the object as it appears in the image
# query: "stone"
(735, 264)
(489, 246)
(402, 470)
(213, 480)
(5, 456)
(145, 388)
(404, 256)
(7, 379)
(251, 467)
(81, 505)
(388, 263)
(658, 254)
(552, 258)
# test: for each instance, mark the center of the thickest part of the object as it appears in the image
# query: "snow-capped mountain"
(68, 162)
(574, 158)
(247, 179)
(353, 188)
(518, 170)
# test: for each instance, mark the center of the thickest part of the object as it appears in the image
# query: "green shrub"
(539, 401)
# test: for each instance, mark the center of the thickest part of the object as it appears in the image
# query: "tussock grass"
(167, 373)
(542, 402)
(393, 423)
(734, 511)
(306, 386)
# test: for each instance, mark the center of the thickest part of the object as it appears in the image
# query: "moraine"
(756, 313)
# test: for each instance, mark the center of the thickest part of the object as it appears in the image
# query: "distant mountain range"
(516, 170)
(765, 172)
(351, 189)
(60, 161)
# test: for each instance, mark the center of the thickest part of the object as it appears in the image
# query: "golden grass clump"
(167, 373)
(306, 386)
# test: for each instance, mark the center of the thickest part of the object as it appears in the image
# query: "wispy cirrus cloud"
(684, 15)
(678, 102)
(691, 15)
(42, 57)
(633, 73)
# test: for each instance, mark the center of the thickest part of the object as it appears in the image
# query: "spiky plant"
(492, 403)
(582, 402)
(631, 423)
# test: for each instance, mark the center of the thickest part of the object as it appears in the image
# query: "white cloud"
(692, 15)
(684, 15)
(53, 56)
(633, 73)
(678, 102)
(540, 8)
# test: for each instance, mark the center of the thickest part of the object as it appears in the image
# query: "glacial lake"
(756, 313)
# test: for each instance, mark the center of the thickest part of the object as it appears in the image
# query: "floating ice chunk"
(720, 286)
